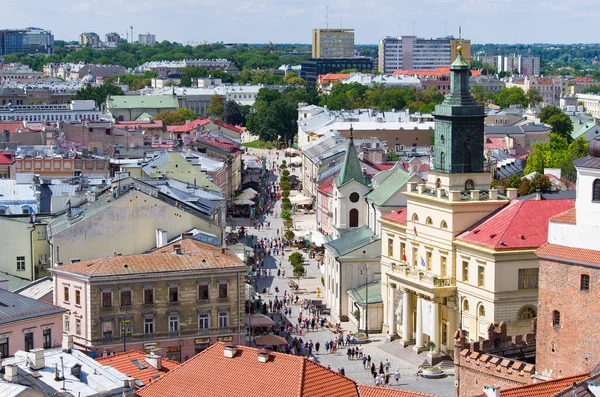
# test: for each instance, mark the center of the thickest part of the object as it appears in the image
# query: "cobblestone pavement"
(404, 360)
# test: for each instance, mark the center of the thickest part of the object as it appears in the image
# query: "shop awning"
(270, 340)
(260, 320)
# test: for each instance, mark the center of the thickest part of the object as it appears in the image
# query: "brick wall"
(573, 346)
(475, 366)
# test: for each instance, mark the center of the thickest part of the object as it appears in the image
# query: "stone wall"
(475, 366)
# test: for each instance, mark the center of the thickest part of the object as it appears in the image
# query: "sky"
(291, 21)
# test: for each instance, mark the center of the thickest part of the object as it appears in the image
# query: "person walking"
(368, 361)
(364, 361)
(387, 366)
(397, 376)
(349, 353)
(327, 347)
(317, 346)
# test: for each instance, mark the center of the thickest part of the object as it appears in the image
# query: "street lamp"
(365, 268)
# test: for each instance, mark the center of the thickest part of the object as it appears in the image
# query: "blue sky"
(285, 21)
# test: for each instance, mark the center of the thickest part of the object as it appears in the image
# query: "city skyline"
(261, 21)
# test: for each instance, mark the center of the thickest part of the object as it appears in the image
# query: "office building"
(311, 69)
(515, 64)
(26, 41)
(411, 52)
(89, 39)
(147, 39)
(111, 39)
(73, 111)
(332, 43)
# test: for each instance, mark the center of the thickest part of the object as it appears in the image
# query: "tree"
(488, 68)
(232, 113)
(289, 235)
(292, 78)
(296, 259)
(479, 94)
(187, 114)
(170, 117)
(299, 271)
(215, 109)
(593, 89)
(561, 125)
(99, 93)
(557, 153)
(285, 173)
(534, 96)
(547, 111)
(285, 214)
(511, 96)
(186, 81)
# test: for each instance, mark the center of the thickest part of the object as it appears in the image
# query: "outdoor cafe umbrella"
(243, 201)
(260, 320)
(246, 195)
(270, 340)
(249, 190)
(291, 150)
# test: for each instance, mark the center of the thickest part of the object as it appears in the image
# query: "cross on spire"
(351, 129)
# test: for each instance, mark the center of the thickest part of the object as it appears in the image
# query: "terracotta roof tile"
(228, 126)
(210, 373)
(397, 216)
(561, 252)
(372, 391)
(543, 389)
(123, 362)
(195, 256)
(6, 159)
(568, 216)
(519, 225)
(191, 125)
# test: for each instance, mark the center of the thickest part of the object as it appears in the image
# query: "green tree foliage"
(135, 81)
(232, 114)
(561, 125)
(480, 94)
(558, 153)
(593, 89)
(176, 117)
(511, 96)
(534, 97)
(547, 111)
(186, 81)
(187, 114)
(216, 107)
(292, 78)
(99, 93)
(296, 259)
(289, 235)
(488, 68)
(285, 214)
(299, 271)
(274, 116)
(285, 173)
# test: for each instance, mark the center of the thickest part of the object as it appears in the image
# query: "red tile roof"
(397, 216)
(568, 216)
(584, 79)
(372, 391)
(6, 159)
(190, 125)
(430, 73)
(500, 143)
(561, 252)
(228, 126)
(519, 225)
(139, 124)
(326, 185)
(12, 126)
(122, 362)
(543, 389)
(325, 78)
(210, 373)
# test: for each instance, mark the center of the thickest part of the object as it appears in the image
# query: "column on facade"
(406, 334)
(419, 325)
(435, 338)
(391, 320)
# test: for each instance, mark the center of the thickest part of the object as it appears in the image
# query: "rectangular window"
(107, 329)
(443, 269)
(415, 260)
(428, 260)
(173, 324)
(77, 326)
(173, 294)
(28, 341)
(465, 271)
(47, 338)
(203, 292)
(223, 291)
(66, 294)
(480, 276)
(67, 324)
(4, 347)
(20, 263)
(77, 297)
(556, 318)
(403, 252)
(528, 278)
(149, 326)
(126, 298)
(391, 247)
(223, 319)
(203, 321)
(148, 296)
(585, 282)
(106, 299)
(42, 235)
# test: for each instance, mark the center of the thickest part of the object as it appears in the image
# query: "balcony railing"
(422, 276)
(106, 340)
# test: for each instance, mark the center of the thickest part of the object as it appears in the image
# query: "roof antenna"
(327, 16)
(351, 129)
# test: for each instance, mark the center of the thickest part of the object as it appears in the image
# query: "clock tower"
(459, 137)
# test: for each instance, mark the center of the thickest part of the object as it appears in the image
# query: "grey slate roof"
(15, 307)
(588, 162)
(351, 240)
(389, 186)
(515, 129)
(557, 195)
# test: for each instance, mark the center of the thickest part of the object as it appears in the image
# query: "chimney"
(67, 342)
(229, 350)
(491, 391)
(154, 360)
(263, 355)
(186, 235)
(10, 373)
(511, 193)
(177, 248)
(36, 359)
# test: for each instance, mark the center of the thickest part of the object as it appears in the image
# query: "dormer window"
(596, 191)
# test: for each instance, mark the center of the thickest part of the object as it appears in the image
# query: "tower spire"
(351, 129)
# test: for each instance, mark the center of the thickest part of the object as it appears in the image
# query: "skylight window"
(139, 364)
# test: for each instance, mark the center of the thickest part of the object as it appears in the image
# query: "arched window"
(596, 191)
(354, 197)
(469, 185)
(481, 311)
(443, 225)
(442, 160)
(415, 217)
(353, 217)
(3, 210)
(465, 305)
(527, 313)
(428, 221)
(27, 209)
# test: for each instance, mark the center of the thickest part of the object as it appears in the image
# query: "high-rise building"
(146, 39)
(112, 39)
(515, 64)
(27, 41)
(332, 43)
(411, 52)
(89, 39)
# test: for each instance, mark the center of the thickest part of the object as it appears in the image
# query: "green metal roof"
(351, 240)
(359, 294)
(383, 192)
(144, 117)
(143, 102)
(580, 129)
(460, 61)
(351, 168)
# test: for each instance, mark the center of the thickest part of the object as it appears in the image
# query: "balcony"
(422, 277)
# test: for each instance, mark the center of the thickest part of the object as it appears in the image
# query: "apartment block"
(332, 43)
(89, 39)
(147, 39)
(411, 52)
(515, 64)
